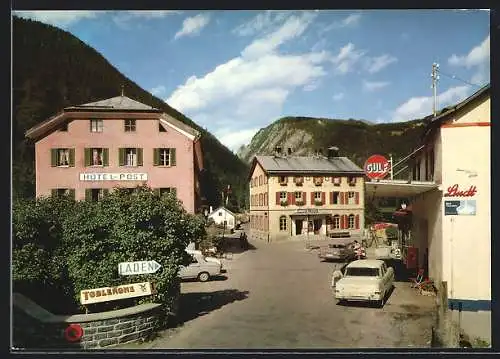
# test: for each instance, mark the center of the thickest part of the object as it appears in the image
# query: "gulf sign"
(376, 167)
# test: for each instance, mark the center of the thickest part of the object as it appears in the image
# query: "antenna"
(435, 78)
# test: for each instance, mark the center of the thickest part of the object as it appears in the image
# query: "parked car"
(340, 249)
(200, 268)
(207, 258)
(364, 280)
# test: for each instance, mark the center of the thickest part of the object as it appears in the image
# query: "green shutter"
(72, 157)
(88, 194)
(139, 157)
(53, 192)
(72, 193)
(121, 156)
(173, 190)
(156, 156)
(53, 157)
(86, 156)
(172, 157)
(105, 157)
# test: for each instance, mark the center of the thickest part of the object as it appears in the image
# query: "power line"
(458, 78)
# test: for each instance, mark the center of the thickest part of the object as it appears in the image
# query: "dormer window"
(299, 180)
(337, 181)
(352, 181)
(318, 181)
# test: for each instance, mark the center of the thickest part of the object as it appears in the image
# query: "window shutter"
(139, 157)
(357, 221)
(156, 156)
(357, 197)
(277, 197)
(105, 157)
(88, 194)
(290, 196)
(312, 197)
(172, 157)
(331, 197)
(53, 157)
(323, 198)
(341, 197)
(173, 190)
(86, 156)
(346, 224)
(72, 157)
(121, 157)
(53, 192)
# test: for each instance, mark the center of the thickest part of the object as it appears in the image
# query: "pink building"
(87, 150)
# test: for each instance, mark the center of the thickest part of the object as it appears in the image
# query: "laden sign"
(91, 296)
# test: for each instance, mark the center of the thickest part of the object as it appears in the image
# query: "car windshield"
(362, 272)
(337, 246)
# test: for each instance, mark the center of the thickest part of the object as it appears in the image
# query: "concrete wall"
(147, 136)
(35, 328)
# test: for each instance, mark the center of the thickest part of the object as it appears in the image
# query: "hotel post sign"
(127, 176)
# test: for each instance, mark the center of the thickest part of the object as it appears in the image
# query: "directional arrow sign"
(140, 267)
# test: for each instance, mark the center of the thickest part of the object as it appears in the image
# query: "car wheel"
(203, 277)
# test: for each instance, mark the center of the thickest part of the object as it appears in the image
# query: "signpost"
(139, 267)
(376, 167)
(105, 294)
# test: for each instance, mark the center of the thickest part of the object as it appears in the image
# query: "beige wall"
(272, 212)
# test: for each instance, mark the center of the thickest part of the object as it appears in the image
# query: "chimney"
(333, 151)
(277, 151)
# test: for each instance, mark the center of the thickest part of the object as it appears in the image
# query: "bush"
(391, 232)
(89, 239)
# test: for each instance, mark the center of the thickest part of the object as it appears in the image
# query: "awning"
(397, 188)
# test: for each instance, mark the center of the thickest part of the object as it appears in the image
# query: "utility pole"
(435, 78)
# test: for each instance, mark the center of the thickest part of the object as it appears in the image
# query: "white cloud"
(263, 21)
(193, 25)
(477, 56)
(349, 21)
(153, 13)
(251, 89)
(233, 139)
(338, 96)
(293, 27)
(374, 85)
(158, 90)
(375, 64)
(60, 18)
(419, 107)
(346, 59)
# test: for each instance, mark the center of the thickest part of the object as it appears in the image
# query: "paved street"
(278, 296)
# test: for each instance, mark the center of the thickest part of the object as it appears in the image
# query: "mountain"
(53, 69)
(356, 139)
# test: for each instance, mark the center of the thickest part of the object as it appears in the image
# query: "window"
(336, 197)
(167, 190)
(131, 157)
(317, 196)
(161, 128)
(95, 194)
(351, 197)
(97, 157)
(129, 125)
(318, 181)
(282, 223)
(220, 214)
(59, 192)
(96, 125)
(362, 272)
(62, 157)
(336, 222)
(165, 156)
(351, 221)
(283, 180)
(299, 180)
(283, 197)
(298, 196)
(351, 180)
(337, 181)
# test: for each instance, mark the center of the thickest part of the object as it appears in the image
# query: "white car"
(200, 269)
(199, 253)
(364, 280)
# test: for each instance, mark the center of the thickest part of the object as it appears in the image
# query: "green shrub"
(391, 232)
(86, 240)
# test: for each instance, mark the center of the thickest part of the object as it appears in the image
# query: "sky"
(235, 72)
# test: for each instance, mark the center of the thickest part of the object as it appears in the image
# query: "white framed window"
(220, 214)
(164, 156)
(298, 196)
(63, 157)
(336, 221)
(336, 197)
(96, 125)
(317, 196)
(283, 223)
(63, 192)
(352, 221)
(283, 196)
(130, 125)
(96, 194)
(351, 197)
(131, 157)
(97, 157)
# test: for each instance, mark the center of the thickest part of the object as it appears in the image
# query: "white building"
(222, 215)
(451, 200)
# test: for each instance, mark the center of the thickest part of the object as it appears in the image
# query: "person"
(358, 250)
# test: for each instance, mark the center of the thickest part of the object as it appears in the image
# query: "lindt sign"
(456, 191)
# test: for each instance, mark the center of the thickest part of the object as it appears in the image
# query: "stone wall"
(35, 328)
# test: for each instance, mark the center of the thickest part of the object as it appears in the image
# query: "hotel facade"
(305, 197)
(87, 150)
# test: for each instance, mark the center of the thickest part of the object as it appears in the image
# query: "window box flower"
(318, 202)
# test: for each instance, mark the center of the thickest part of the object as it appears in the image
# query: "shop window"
(283, 223)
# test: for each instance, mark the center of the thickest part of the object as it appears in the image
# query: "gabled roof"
(224, 208)
(122, 103)
(306, 164)
(445, 113)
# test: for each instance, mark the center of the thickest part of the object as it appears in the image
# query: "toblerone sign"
(91, 296)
